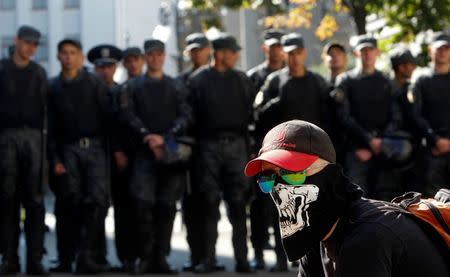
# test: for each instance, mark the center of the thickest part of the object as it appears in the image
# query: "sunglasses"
(266, 180)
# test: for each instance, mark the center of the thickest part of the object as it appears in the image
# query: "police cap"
(29, 34)
(154, 45)
(196, 40)
(440, 39)
(333, 44)
(132, 51)
(364, 41)
(73, 42)
(226, 41)
(273, 36)
(292, 41)
(401, 55)
(104, 54)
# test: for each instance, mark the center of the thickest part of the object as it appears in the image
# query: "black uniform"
(411, 172)
(261, 215)
(191, 206)
(22, 112)
(286, 98)
(221, 103)
(367, 109)
(258, 74)
(124, 220)
(431, 98)
(154, 106)
(79, 113)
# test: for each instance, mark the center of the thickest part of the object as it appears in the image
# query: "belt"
(88, 142)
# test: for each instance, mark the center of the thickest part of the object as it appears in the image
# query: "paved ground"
(180, 252)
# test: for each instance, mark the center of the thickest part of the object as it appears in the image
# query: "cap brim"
(272, 41)
(105, 61)
(439, 43)
(289, 160)
(151, 49)
(30, 39)
(365, 45)
(290, 48)
(191, 46)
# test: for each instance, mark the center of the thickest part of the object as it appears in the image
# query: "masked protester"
(317, 203)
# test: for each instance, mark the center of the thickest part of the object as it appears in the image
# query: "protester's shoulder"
(374, 224)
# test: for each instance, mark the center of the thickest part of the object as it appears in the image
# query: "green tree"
(412, 16)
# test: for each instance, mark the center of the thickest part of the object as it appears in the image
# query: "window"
(6, 42)
(7, 4)
(42, 50)
(39, 4)
(71, 4)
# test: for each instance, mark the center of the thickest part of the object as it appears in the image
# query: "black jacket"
(221, 101)
(151, 106)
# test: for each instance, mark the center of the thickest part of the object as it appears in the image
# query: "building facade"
(120, 22)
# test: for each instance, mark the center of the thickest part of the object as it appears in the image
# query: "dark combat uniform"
(431, 99)
(22, 145)
(261, 215)
(79, 112)
(191, 205)
(154, 106)
(367, 109)
(221, 103)
(284, 98)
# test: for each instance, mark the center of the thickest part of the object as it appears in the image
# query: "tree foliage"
(412, 16)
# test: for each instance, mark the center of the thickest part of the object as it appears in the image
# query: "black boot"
(86, 265)
(36, 269)
(9, 268)
(162, 267)
(62, 267)
(244, 267)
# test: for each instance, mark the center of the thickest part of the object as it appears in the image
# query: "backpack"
(434, 212)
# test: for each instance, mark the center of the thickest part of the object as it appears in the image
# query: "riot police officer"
(410, 173)
(79, 113)
(221, 98)
(430, 97)
(294, 93)
(261, 205)
(368, 111)
(198, 49)
(154, 107)
(133, 61)
(23, 91)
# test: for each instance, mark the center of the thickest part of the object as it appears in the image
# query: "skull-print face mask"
(306, 213)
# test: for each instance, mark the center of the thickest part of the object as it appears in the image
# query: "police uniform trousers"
(85, 194)
(124, 217)
(218, 171)
(261, 217)
(154, 188)
(67, 239)
(376, 179)
(21, 183)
